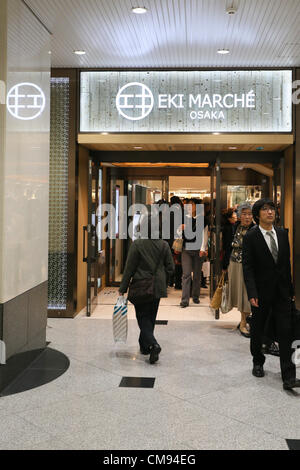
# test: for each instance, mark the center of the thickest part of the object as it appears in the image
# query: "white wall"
(24, 180)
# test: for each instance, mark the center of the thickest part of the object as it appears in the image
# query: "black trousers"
(276, 315)
(146, 316)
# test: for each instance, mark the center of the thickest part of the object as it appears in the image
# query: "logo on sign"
(135, 101)
(26, 101)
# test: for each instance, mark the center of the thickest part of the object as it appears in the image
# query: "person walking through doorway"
(233, 250)
(148, 257)
(267, 274)
(192, 259)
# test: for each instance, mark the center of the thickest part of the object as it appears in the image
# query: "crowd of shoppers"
(256, 258)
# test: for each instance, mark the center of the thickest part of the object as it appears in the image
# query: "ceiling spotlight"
(231, 10)
(137, 148)
(232, 148)
(79, 52)
(104, 133)
(139, 10)
(223, 51)
(240, 167)
(216, 133)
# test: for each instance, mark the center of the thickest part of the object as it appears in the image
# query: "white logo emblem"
(26, 101)
(137, 103)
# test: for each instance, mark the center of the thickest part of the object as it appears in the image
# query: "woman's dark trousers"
(146, 316)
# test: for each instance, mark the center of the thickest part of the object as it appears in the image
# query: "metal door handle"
(84, 257)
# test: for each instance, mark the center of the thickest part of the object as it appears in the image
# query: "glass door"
(95, 257)
(215, 229)
(144, 191)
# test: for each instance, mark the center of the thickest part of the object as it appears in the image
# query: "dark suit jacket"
(263, 278)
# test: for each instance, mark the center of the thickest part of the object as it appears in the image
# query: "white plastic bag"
(120, 320)
(225, 298)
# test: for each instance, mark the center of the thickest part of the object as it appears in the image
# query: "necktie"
(274, 250)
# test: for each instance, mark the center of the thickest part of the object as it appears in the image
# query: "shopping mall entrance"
(225, 180)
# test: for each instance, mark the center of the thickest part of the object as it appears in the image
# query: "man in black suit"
(267, 275)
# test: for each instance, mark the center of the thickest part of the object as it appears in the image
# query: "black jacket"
(263, 278)
(141, 261)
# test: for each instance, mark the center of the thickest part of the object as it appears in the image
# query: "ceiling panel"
(173, 33)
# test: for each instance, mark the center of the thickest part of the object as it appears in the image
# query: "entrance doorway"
(223, 184)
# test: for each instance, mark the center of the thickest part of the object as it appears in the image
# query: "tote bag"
(225, 308)
(217, 297)
(120, 320)
(177, 245)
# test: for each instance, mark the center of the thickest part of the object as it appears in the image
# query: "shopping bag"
(177, 245)
(225, 307)
(217, 297)
(120, 320)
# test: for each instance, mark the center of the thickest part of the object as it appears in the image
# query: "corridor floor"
(203, 394)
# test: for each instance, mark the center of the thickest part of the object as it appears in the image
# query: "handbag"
(177, 245)
(225, 307)
(217, 297)
(142, 291)
(120, 320)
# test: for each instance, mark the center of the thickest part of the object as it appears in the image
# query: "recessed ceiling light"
(223, 51)
(216, 133)
(139, 10)
(79, 52)
(49, 52)
(104, 133)
(232, 148)
(137, 148)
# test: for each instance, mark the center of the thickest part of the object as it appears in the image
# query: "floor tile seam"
(261, 429)
(42, 406)
(185, 399)
(94, 366)
(34, 425)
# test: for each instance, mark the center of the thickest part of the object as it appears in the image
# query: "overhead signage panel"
(186, 101)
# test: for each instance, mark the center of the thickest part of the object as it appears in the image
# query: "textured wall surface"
(58, 193)
(163, 101)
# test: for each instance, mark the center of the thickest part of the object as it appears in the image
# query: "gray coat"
(141, 262)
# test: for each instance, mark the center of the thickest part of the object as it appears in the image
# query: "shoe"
(244, 332)
(272, 349)
(154, 353)
(183, 304)
(258, 371)
(290, 384)
(196, 300)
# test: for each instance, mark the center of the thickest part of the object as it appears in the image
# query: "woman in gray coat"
(143, 256)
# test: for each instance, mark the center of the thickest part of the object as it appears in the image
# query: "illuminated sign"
(26, 101)
(142, 101)
(186, 101)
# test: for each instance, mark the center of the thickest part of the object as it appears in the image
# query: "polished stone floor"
(201, 396)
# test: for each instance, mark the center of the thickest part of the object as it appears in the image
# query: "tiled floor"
(204, 396)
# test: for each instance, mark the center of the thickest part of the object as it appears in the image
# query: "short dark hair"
(175, 200)
(258, 205)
